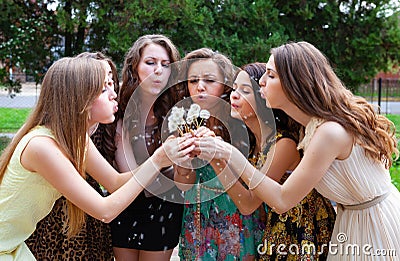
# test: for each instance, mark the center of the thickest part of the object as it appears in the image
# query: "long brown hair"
(131, 81)
(105, 133)
(310, 83)
(277, 120)
(68, 90)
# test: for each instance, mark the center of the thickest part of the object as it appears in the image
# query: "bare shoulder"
(42, 144)
(336, 136)
(332, 128)
(38, 148)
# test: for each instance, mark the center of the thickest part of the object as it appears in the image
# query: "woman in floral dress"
(212, 225)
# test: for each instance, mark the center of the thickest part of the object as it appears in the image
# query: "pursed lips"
(115, 106)
(201, 96)
(234, 106)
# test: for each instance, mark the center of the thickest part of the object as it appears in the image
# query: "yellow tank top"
(25, 199)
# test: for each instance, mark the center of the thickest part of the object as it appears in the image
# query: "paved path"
(27, 98)
(18, 101)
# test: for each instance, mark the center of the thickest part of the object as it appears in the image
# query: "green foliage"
(395, 169)
(395, 118)
(360, 38)
(28, 32)
(11, 85)
(354, 35)
(244, 32)
(4, 141)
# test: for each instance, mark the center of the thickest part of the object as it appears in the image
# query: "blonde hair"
(310, 83)
(68, 90)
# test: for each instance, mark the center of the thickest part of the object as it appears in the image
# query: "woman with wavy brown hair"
(273, 150)
(149, 228)
(212, 227)
(348, 149)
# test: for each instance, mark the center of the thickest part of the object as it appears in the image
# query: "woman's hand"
(203, 132)
(175, 150)
(209, 148)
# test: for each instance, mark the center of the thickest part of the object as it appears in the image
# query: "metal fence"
(383, 92)
(386, 89)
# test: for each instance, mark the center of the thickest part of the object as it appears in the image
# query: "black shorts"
(149, 223)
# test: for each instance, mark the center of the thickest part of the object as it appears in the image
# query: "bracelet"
(253, 187)
(132, 173)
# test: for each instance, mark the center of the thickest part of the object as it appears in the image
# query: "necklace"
(198, 210)
(198, 223)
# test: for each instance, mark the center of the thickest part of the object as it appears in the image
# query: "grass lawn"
(395, 169)
(12, 119)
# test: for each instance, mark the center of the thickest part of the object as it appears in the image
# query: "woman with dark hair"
(149, 228)
(273, 150)
(212, 227)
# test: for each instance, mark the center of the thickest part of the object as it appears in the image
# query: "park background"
(360, 38)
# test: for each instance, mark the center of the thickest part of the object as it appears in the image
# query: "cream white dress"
(370, 229)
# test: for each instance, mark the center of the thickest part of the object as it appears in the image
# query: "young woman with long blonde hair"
(51, 153)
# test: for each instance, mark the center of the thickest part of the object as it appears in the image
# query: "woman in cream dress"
(348, 149)
(368, 211)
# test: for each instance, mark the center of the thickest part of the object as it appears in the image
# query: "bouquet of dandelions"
(178, 122)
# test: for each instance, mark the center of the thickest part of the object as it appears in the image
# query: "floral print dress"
(212, 226)
(303, 232)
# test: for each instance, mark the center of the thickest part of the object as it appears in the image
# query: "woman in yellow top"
(51, 153)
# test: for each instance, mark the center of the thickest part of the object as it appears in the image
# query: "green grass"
(12, 119)
(4, 142)
(395, 169)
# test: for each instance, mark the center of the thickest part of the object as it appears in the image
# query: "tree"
(359, 37)
(243, 31)
(28, 33)
(356, 36)
(84, 24)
